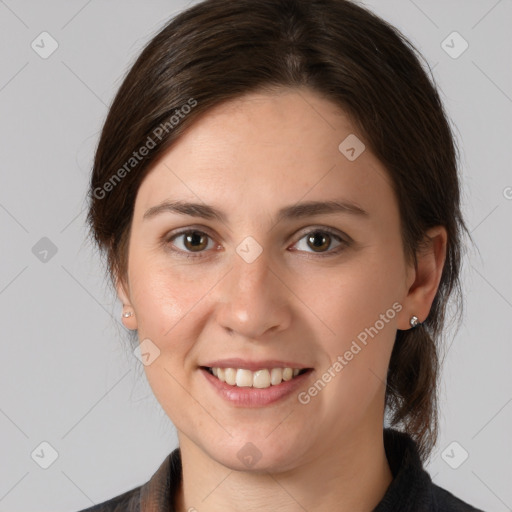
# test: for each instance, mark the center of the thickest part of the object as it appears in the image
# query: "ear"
(123, 293)
(423, 279)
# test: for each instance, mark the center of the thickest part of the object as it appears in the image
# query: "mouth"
(261, 379)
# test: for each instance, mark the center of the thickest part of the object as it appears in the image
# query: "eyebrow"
(296, 211)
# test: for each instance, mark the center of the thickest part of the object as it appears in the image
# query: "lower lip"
(255, 397)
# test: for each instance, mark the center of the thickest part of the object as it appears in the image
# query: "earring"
(127, 314)
(414, 321)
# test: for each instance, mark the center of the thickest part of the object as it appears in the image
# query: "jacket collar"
(411, 488)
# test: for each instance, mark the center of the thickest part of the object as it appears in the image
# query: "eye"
(319, 240)
(194, 241)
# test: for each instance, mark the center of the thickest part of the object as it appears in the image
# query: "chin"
(257, 457)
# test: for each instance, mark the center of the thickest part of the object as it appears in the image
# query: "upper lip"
(253, 365)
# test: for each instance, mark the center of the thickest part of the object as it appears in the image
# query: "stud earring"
(414, 321)
(127, 314)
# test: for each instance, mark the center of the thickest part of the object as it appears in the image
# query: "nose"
(254, 299)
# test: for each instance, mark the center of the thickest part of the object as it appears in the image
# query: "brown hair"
(218, 50)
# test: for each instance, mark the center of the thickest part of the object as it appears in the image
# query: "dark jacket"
(411, 490)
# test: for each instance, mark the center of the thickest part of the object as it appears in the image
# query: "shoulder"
(127, 502)
(412, 488)
(445, 501)
(155, 494)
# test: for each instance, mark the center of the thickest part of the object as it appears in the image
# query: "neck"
(352, 476)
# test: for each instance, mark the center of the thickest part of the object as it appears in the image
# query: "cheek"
(166, 302)
(354, 296)
(361, 309)
(163, 295)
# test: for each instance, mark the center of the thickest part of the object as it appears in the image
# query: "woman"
(276, 191)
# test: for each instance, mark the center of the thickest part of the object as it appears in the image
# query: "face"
(308, 289)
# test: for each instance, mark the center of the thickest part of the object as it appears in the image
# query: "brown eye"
(319, 241)
(193, 241)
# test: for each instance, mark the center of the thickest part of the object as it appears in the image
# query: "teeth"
(259, 379)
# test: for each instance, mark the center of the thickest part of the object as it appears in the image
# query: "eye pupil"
(319, 240)
(195, 237)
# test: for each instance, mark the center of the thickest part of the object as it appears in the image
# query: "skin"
(250, 157)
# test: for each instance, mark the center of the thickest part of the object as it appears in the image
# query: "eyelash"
(343, 242)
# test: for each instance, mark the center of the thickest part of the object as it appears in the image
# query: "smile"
(264, 378)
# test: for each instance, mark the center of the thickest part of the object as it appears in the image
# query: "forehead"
(268, 150)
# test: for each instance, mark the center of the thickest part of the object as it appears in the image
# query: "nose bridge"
(250, 272)
(252, 296)
(250, 278)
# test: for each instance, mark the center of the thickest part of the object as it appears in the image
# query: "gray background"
(67, 376)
